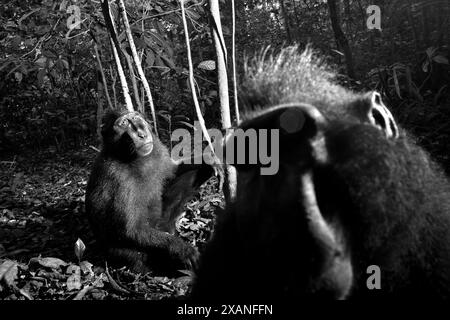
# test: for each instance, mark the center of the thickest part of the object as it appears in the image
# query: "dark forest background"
(51, 94)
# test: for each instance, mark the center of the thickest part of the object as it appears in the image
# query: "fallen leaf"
(86, 268)
(74, 282)
(53, 263)
(73, 269)
(182, 281)
(8, 272)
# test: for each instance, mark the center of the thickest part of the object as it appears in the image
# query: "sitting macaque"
(135, 195)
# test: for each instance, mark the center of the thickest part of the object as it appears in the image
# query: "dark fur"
(133, 202)
(385, 198)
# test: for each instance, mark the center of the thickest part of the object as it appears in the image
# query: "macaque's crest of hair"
(291, 76)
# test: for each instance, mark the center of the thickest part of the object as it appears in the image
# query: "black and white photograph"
(215, 158)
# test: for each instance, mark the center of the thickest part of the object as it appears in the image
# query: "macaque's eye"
(123, 123)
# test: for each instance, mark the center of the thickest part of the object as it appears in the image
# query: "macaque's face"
(138, 130)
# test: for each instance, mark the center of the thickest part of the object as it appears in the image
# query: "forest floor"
(42, 217)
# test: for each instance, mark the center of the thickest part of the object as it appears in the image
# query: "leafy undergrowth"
(42, 218)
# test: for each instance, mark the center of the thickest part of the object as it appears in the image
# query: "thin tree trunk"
(221, 66)
(363, 15)
(233, 61)
(116, 53)
(297, 19)
(123, 80)
(137, 62)
(348, 15)
(286, 22)
(230, 172)
(409, 14)
(103, 78)
(100, 100)
(134, 84)
(113, 85)
(340, 37)
(201, 120)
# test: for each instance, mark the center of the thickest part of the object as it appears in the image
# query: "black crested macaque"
(135, 194)
(352, 191)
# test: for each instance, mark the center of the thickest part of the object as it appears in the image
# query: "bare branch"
(115, 49)
(137, 61)
(192, 81)
(105, 85)
(233, 58)
(221, 65)
(134, 83)
(230, 172)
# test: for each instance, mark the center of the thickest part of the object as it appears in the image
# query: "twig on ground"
(113, 282)
(83, 292)
(94, 148)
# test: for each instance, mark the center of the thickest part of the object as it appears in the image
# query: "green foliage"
(49, 79)
(47, 84)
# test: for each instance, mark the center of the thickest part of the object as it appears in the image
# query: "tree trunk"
(100, 103)
(341, 40)
(297, 19)
(348, 16)
(409, 15)
(230, 172)
(363, 15)
(286, 22)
